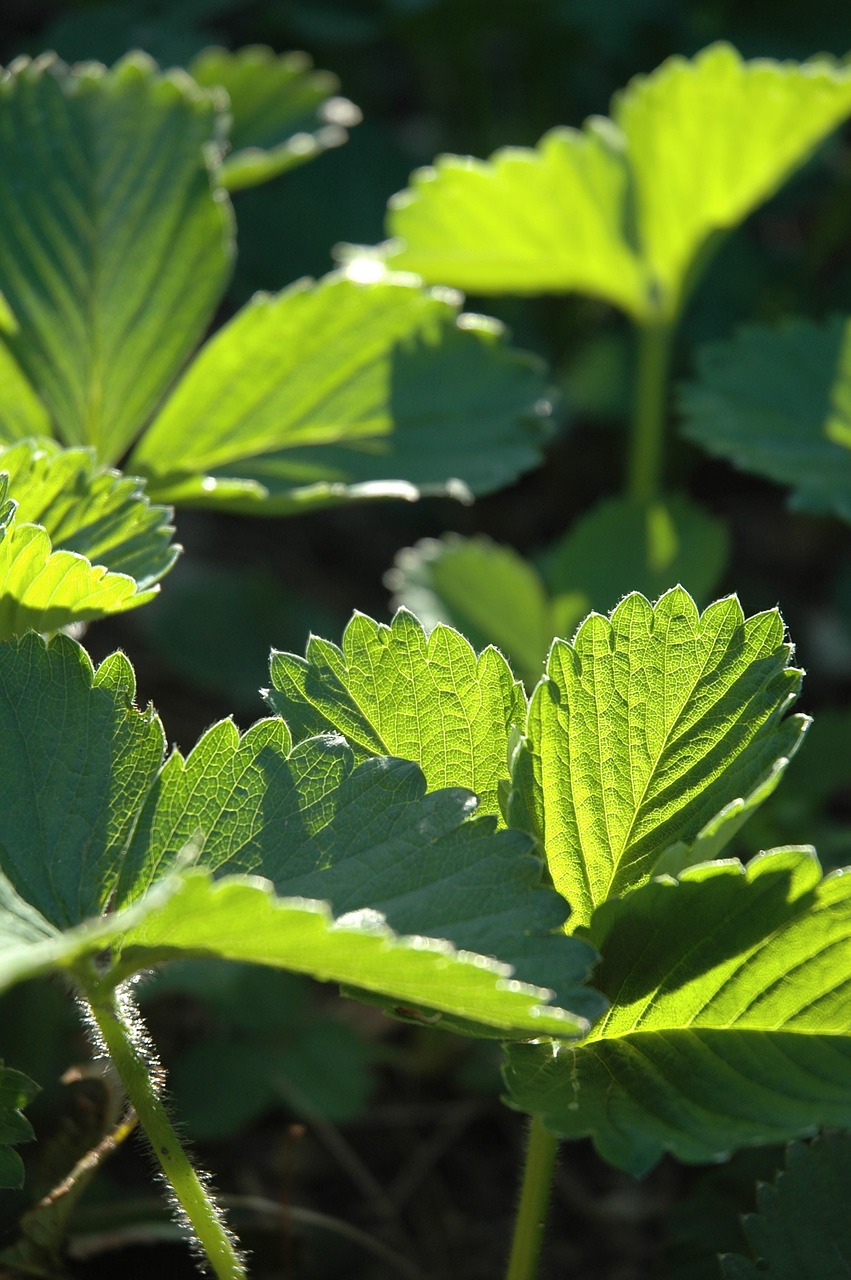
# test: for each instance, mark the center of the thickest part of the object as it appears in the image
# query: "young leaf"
(802, 1230)
(393, 691)
(43, 590)
(93, 818)
(777, 402)
(91, 510)
(337, 390)
(114, 249)
(730, 1022)
(283, 111)
(644, 728)
(15, 1092)
(624, 208)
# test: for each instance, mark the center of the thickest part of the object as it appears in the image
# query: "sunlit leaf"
(648, 725)
(91, 510)
(283, 111)
(730, 1022)
(339, 390)
(114, 250)
(624, 208)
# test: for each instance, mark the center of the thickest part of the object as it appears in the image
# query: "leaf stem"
(127, 1043)
(644, 471)
(534, 1202)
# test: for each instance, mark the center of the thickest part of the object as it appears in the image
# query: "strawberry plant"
(468, 818)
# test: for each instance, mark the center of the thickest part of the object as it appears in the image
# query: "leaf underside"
(334, 391)
(729, 1023)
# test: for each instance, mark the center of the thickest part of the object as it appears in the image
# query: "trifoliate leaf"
(778, 402)
(802, 1230)
(113, 248)
(337, 390)
(730, 1022)
(91, 510)
(42, 589)
(645, 727)
(624, 208)
(390, 690)
(283, 111)
(495, 597)
(94, 819)
(15, 1092)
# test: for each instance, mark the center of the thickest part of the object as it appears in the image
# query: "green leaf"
(487, 591)
(494, 596)
(648, 725)
(93, 818)
(391, 690)
(626, 545)
(15, 1092)
(802, 1230)
(44, 590)
(339, 390)
(730, 1022)
(114, 250)
(283, 111)
(625, 208)
(22, 414)
(79, 760)
(778, 402)
(91, 510)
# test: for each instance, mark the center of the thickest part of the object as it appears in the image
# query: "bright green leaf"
(625, 208)
(390, 690)
(44, 590)
(283, 111)
(802, 1230)
(648, 725)
(93, 817)
(114, 250)
(15, 1092)
(339, 390)
(778, 402)
(730, 1022)
(91, 510)
(494, 596)
(487, 591)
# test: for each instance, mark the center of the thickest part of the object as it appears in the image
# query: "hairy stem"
(126, 1041)
(534, 1201)
(647, 438)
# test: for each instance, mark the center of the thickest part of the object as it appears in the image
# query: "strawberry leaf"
(15, 1092)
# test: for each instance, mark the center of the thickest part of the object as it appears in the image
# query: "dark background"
(419, 1153)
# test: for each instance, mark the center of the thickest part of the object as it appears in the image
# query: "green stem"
(126, 1041)
(534, 1202)
(647, 439)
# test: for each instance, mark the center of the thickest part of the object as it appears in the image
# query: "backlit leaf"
(730, 1022)
(283, 111)
(623, 209)
(338, 390)
(645, 727)
(114, 250)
